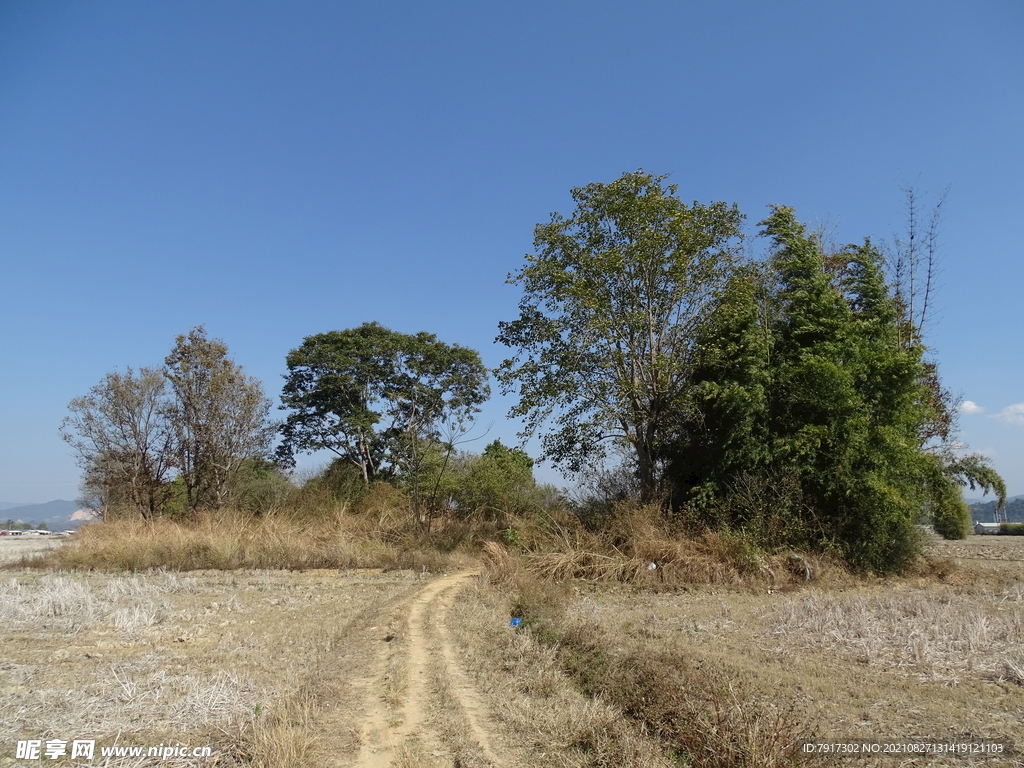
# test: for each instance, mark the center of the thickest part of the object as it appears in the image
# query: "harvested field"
(336, 668)
(15, 548)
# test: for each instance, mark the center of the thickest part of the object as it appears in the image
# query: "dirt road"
(419, 708)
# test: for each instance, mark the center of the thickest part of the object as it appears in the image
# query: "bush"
(951, 517)
(340, 481)
(261, 487)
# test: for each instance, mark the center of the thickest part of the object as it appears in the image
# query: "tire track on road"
(387, 729)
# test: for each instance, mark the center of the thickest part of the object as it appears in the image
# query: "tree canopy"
(812, 419)
(790, 397)
(123, 440)
(370, 394)
(612, 300)
(220, 416)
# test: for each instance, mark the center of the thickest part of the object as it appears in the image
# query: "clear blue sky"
(274, 170)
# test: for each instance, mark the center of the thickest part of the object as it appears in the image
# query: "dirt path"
(420, 707)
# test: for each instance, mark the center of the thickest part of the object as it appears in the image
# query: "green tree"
(377, 398)
(219, 418)
(499, 482)
(123, 441)
(950, 514)
(261, 486)
(810, 415)
(612, 300)
(848, 400)
(721, 433)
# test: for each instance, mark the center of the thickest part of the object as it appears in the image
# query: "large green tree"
(378, 398)
(812, 419)
(612, 300)
(848, 405)
(720, 435)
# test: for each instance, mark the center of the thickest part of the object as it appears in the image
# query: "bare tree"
(219, 417)
(123, 441)
(914, 264)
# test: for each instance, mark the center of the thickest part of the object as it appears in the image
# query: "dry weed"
(538, 711)
(933, 633)
(240, 662)
(229, 540)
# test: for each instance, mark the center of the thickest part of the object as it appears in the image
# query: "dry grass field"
(369, 668)
(16, 548)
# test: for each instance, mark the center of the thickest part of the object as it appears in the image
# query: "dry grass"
(721, 655)
(15, 549)
(935, 633)
(534, 706)
(697, 712)
(229, 540)
(244, 662)
(739, 672)
(637, 545)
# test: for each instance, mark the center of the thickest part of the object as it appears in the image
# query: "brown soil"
(400, 721)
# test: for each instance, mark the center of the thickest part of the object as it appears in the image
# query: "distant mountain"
(8, 504)
(59, 515)
(984, 512)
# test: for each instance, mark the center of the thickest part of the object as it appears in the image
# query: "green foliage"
(340, 481)
(512, 537)
(374, 396)
(722, 432)
(974, 471)
(611, 301)
(810, 419)
(950, 515)
(846, 414)
(490, 486)
(261, 487)
(498, 483)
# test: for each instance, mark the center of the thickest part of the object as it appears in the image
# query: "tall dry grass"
(638, 544)
(379, 532)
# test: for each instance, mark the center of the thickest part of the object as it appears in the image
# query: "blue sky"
(274, 170)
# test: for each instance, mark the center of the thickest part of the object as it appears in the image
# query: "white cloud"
(1012, 414)
(969, 406)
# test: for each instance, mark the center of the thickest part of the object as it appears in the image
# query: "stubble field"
(279, 668)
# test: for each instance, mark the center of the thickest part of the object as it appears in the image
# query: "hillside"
(985, 512)
(59, 515)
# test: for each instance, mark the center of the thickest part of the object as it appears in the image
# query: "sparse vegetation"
(721, 665)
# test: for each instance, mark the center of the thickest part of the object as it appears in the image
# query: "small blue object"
(515, 622)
